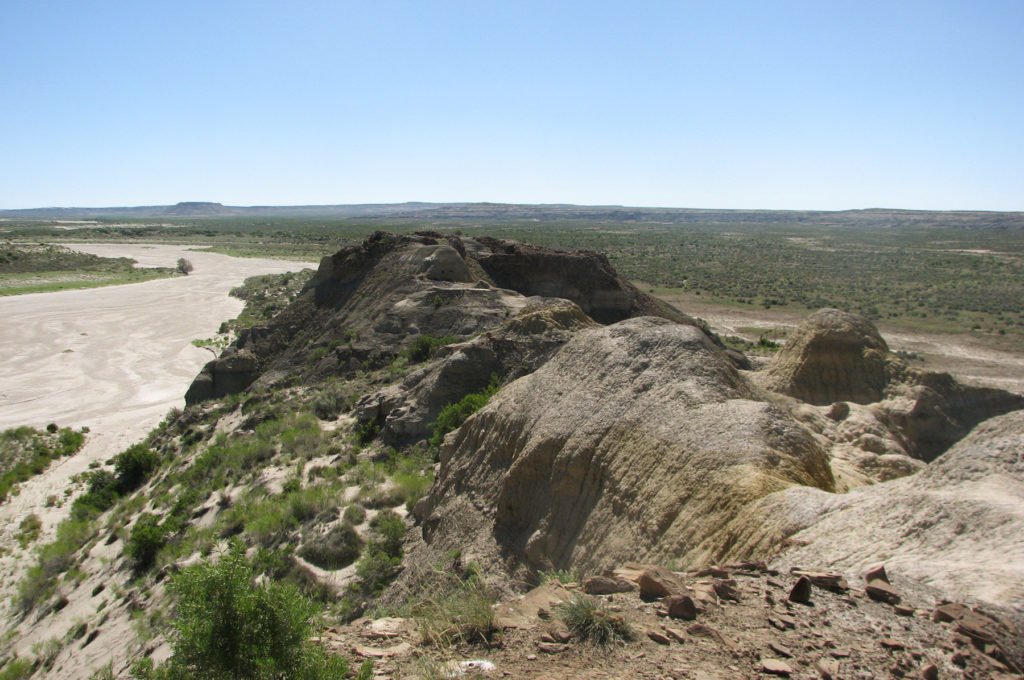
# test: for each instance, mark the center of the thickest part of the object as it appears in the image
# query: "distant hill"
(487, 212)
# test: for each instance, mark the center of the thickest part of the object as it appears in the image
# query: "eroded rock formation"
(366, 302)
(639, 439)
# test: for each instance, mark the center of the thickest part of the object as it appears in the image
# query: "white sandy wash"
(115, 359)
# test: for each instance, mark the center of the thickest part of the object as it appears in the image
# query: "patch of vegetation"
(339, 548)
(103, 489)
(561, 576)
(228, 625)
(34, 268)
(462, 615)
(424, 347)
(453, 415)
(592, 620)
(265, 296)
(146, 540)
(17, 669)
(26, 452)
(28, 530)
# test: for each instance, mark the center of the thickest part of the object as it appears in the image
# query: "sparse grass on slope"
(25, 452)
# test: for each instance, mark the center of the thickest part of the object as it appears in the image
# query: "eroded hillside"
(437, 415)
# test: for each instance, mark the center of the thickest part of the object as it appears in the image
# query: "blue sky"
(816, 105)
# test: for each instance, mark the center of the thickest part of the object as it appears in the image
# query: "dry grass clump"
(591, 620)
(464, 614)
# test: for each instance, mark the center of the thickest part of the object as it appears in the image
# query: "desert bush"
(28, 530)
(561, 576)
(453, 415)
(101, 493)
(133, 466)
(355, 514)
(592, 620)
(17, 669)
(339, 548)
(390, 532)
(226, 625)
(377, 498)
(25, 452)
(145, 541)
(375, 571)
(424, 347)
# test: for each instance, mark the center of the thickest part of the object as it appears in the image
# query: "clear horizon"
(732, 105)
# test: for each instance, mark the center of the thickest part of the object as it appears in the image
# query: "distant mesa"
(197, 208)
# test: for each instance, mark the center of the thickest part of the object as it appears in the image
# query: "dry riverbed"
(114, 359)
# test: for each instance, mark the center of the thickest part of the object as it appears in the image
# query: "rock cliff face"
(638, 440)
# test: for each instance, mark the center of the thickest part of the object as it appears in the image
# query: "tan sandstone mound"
(635, 441)
(832, 356)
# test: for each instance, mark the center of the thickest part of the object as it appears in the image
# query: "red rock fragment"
(658, 637)
(681, 607)
(876, 574)
(882, 592)
(656, 583)
(604, 585)
(775, 667)
(827, 668)
(726, 589)
(801, 591)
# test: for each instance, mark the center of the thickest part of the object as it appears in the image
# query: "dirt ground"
(978, 359)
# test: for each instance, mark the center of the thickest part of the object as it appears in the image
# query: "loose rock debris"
(840, 632)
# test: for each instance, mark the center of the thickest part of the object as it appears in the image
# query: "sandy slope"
(130, 361)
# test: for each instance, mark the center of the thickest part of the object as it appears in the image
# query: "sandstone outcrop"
(832, 356)
(638, 439)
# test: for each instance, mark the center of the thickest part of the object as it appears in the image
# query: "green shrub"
(561, 576)
(338, 549)
(133, 466)
(146, 540)
(17, 669)
(453, 415)
(593, 621)
(29, 529)
(376, 570)
(355, 514)
(100, 495)
(390, 530)
(424, 347)
(227, 626)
